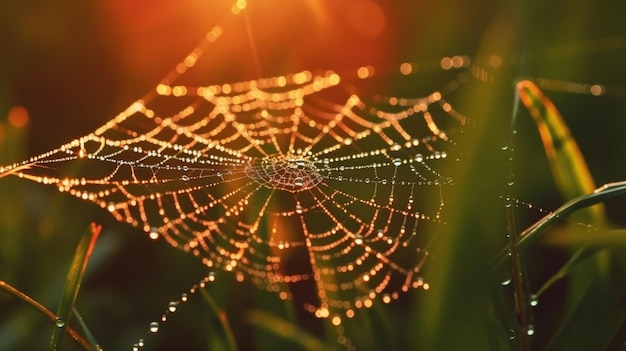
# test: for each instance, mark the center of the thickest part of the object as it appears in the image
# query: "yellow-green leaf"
(568, 166)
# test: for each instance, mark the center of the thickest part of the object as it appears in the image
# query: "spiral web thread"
(252, 176)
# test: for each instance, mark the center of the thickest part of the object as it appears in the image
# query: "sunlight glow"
(239, 6)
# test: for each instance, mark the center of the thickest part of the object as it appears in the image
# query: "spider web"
(321, 177)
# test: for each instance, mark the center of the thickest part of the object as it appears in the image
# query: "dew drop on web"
(154, 233)
(533, 300)
(343, 181)
(358, 239)
(299, 181)
(172, 306)
(211, 276)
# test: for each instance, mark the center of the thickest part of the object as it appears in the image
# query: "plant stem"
(73, 281)
(42, 309)
(532, 233)
(517, 279)
(516, 267)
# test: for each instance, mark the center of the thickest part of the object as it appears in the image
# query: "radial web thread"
(253, 176)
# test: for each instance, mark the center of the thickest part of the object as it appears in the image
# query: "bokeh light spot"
(406, 68)
(18, 117)
(495, 61)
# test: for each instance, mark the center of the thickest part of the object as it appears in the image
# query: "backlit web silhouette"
(310, 177)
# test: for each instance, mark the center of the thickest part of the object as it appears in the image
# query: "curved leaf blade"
(568, 166)
(221, 335)
(72, 283)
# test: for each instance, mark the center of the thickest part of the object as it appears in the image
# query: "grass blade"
(72, 283)
(573, 179)
(83, 326)
(223, 338)
(568, 166)
(534, 232)
(43, 310)
(593, 323)
(286, 330)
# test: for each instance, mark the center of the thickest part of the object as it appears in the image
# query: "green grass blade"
(286, 330)
(43, 310)
(592, 323)
(72, 284)
(83, 326)
(568, 166)
(221, 336)
(573, 179)
(535, 231)
(591, 245)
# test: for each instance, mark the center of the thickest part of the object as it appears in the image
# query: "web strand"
(251, 176)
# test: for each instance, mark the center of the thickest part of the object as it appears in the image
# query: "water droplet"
(211, 276)
(135, 347)
(530, 330)
(298, 181)
(60, 323)
(184, 178)
(419, 158)
(511, 334)
(184, 297)
(172, 306)
(140, 343)
(358, 239)
(506, 280)
(367, 180)
(154, 327)
(397, 162)
(534, 300)
(154, 233)
(298, 208)
(380, 233)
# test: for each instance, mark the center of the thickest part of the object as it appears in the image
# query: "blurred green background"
(73, 65)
